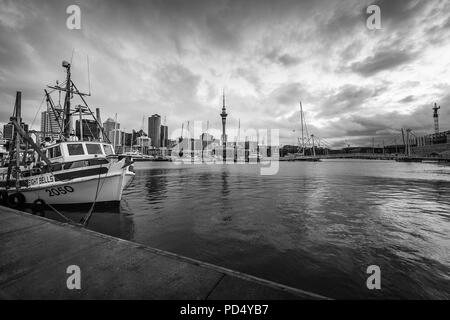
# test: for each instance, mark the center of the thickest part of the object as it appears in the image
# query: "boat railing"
(57, 167)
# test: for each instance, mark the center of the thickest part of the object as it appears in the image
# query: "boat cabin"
(79, 150)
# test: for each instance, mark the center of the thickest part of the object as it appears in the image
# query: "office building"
(154, 130)
(164, 136)
(110, 125)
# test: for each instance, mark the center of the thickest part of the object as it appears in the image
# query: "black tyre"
(38, 207)
(4, 198)
(16, 200)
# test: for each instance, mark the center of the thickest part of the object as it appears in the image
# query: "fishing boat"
(65, 172)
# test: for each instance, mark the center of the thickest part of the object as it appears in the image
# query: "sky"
(175, 58)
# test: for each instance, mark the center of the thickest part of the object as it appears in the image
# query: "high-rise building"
(128, 139)
(90, 130)
(110, 125)
(164, 136)
(116, 137)
(154, 130)
(50, 124)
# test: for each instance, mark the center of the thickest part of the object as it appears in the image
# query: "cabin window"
(108, 149)
(75, 149)
(93, 148)
(54, 152)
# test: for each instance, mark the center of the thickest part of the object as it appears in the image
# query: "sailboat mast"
(301, 120)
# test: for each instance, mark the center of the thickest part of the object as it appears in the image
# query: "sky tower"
(224, 115)
(436, 118)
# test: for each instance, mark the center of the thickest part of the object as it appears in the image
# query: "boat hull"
(105, 190)
(99, 185)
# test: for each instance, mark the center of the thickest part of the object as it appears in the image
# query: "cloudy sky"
(175, 57)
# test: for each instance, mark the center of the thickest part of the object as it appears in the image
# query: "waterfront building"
(143, 142)
(164, 136)
(90, 130)
(116, 137)
(110, 125)
(154, 130)
(432, 144)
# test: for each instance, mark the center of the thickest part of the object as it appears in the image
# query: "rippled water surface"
(314, 226)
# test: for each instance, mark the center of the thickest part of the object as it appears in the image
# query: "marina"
(314, 226)
(225, 150)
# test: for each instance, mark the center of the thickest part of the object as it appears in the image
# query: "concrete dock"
(35, 253)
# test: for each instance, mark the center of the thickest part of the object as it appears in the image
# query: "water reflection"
(156, 185)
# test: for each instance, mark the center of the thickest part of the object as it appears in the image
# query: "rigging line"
(85, 220)
(35, 116)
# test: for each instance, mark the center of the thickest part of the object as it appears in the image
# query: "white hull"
(109, 190)
(106, 187)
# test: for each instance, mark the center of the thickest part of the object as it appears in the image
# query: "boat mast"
(81, 123)
(67, 119)
(115, 132)
(18, 116)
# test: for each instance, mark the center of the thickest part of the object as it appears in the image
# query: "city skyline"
(175, 58)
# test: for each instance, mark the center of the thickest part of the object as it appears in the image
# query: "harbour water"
(316, 226)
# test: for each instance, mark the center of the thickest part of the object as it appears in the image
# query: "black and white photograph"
(224, 156)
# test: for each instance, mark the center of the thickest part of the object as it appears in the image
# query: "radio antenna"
(89, 74)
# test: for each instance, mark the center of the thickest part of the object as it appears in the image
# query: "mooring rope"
(85, 220)
(56, 211)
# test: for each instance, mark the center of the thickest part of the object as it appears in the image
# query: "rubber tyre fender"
(16, 200)
(4, 197)
(38, 207)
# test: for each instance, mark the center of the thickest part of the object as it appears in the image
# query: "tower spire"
(436, 118)
(223, 99)
(224, 115)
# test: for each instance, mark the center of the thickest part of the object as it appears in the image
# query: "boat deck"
(35, 253)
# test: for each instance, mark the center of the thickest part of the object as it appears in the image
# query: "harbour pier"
(35, 253)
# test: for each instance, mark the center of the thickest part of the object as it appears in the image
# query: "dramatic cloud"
(385, 60)
(175, 57)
